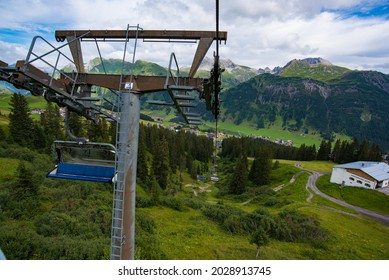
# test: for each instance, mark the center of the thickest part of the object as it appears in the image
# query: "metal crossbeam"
(61, 35)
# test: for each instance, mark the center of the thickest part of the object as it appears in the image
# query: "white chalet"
(365, 174)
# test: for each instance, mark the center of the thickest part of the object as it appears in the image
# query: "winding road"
(311, 186)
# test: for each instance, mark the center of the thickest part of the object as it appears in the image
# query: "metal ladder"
(121, 135)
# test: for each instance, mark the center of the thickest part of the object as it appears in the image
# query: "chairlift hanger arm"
(205, 39)
(61, 35)
(141, 83)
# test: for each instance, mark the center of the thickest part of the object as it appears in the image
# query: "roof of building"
(377, 170)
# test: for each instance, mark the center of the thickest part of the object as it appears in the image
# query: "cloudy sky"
(261, 33)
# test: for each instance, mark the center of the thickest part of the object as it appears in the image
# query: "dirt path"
(292, 180)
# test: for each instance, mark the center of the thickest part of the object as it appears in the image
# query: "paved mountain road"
(311, 185)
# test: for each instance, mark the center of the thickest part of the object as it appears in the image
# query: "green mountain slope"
(354, 104)
(313, 68)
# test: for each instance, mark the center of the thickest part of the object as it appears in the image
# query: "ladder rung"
(193, 119)
(192, 115)
(174, 87)
(158, 102)
(187, 104)
(117, 219)
(184, 97)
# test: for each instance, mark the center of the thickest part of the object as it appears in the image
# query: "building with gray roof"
(366, 174)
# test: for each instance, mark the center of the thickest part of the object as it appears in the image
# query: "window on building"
(367, 185)
(352, 179)
(359, 181)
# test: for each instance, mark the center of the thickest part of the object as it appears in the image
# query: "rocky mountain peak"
(311, 61)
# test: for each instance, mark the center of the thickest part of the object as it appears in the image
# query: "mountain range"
(312, 94)
(307, 95)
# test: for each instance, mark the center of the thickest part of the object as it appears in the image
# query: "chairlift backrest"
(89, 161)
(89, 153)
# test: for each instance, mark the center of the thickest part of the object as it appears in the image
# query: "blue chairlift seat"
(83, 172)
(88, 161)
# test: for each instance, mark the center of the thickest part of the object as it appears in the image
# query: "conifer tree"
(39, 137)
(237, 184)
(260, 170)
(51, 122)
(336, 151)
(375, 153)
(161, 162)
(24, 192)
(76, 124)
(142, 169)
(324, 150)
(2, 134)
(20, 121)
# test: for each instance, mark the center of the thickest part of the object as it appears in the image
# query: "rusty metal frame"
(63, 89)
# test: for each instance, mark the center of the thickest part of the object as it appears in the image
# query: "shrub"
(54, 223)
(219, 212)
(271, 201)
(144, 223)
(302, 227)
(172, 202)
(194, 203)
(144, 202)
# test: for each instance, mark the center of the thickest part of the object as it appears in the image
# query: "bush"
(194, 203)
(19, 241)
(219, 212)
(234, 224)
(172, 202)
(144, 202)
(271, 201)
(54, 223)
(302, 227)
(147, 246)
(144, 223)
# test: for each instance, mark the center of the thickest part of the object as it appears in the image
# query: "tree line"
(338, 152)
(242, 176)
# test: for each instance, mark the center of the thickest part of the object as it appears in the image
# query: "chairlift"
(85, 161)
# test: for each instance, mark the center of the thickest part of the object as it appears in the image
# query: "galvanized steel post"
(129, 124)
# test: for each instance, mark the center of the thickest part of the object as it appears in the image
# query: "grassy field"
(365, 198)
(274, 132)
(33, 101)
(320, 166)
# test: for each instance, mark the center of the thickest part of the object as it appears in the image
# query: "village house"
(365, 174)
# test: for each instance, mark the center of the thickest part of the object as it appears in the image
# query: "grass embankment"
(365, 198)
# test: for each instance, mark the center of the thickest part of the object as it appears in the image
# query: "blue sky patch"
(378, 8)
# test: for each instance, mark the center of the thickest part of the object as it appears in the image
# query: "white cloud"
(260, 33)
(10, 51)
